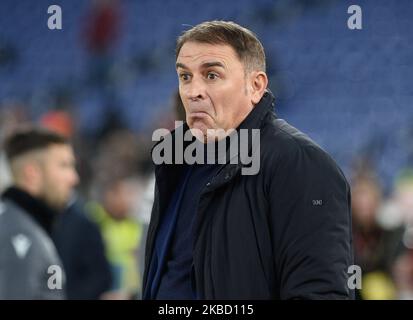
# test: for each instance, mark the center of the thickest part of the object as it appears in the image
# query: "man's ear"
(259, 82)
(30, 175)
(31, 171)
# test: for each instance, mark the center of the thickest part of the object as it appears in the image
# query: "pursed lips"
(195, 113)
(198, 112)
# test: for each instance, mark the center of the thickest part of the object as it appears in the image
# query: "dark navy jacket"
(284, 233)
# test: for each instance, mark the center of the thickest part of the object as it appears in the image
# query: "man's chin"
(199, 134)
(58, 206)
(208, 134)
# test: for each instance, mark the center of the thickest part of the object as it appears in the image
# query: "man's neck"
(43, 214)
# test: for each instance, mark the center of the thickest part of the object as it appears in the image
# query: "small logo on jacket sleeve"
(21, 245)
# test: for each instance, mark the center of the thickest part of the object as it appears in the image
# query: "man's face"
(213, 86)
(120, 197)
(58, 174)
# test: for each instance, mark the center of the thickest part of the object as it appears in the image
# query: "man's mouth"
(199, 114)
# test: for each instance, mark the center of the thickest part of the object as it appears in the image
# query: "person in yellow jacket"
(122, 235)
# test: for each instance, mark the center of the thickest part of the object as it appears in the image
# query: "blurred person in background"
(78, 240)
(402, 206)
(80, 246)
(117, 192)
(376, 243)
(100, 35)
(43, 169)
(12, 114)
(122, 234)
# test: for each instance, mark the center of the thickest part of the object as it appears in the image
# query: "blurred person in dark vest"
(42, 164)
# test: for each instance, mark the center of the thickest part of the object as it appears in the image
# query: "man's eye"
(212, 76)
(184, 76)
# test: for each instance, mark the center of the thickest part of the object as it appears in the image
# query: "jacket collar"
(256, 116)
(36, 208)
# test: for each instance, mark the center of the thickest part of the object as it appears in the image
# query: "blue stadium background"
(350, 90)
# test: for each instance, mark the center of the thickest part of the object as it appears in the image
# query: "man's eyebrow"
(204, 65)
(213, 64)
(181, 65)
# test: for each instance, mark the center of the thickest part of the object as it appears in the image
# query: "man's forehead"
(58, 147)
(202, 53)
(60, 150)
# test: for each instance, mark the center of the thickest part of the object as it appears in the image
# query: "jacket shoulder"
(285, 148)
(283, 138)
(18, 229)
(14, 220)
(27, 253)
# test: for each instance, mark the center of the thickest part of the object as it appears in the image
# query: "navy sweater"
(172, 265)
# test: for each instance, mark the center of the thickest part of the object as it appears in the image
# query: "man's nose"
(196, 89)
